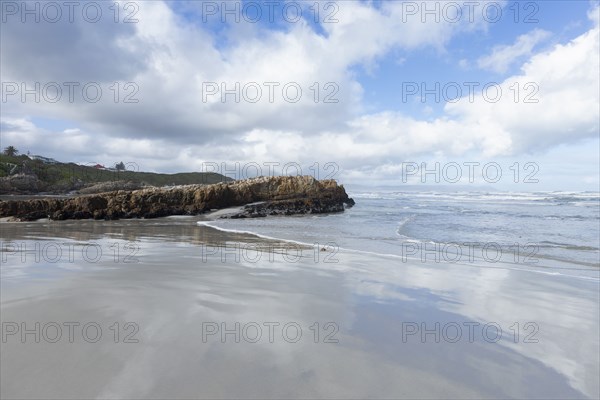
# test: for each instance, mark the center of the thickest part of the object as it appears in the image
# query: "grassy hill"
(64, 176)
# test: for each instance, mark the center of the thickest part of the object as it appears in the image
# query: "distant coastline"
(33, 175)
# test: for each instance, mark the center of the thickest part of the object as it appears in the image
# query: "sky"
(469, 95)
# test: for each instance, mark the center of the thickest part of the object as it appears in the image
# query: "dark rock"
(290, 207)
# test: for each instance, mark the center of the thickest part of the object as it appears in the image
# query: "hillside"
(22, 175)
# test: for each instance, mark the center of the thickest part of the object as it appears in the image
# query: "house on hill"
(45, 160)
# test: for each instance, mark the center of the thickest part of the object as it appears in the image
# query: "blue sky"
(383, 85)
(370, 53)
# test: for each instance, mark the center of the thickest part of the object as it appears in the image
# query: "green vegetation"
(11, 151)
(66, 174)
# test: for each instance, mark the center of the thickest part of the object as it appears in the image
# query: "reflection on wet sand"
(382, 340)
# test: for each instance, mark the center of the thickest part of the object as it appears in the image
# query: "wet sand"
(163, 291)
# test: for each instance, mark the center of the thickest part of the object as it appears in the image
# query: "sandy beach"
(170, 309)
(244, 199)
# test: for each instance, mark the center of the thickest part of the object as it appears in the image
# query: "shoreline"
(554, 270)
(189, 222)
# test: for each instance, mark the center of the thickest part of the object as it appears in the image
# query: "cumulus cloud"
(171, 59)
(503, 57)
(553, 100)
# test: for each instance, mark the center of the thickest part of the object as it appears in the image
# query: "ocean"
(552, 232)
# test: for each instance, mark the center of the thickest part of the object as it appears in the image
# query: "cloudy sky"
(363, 91)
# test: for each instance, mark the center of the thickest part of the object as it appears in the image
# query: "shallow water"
(554, 232)
(170, 284)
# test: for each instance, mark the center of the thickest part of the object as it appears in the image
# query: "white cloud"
(564, 82)
(173, 129)
(503, 57)
(170, 57)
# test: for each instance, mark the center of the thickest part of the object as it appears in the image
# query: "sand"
(165, 285)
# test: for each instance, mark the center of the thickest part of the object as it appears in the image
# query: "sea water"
(557, 232)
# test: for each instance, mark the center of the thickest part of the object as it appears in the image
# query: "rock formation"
(111, 186)
(21, 183)
(278, 195)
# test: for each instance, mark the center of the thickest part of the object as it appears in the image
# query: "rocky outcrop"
(111, 186)
(279, 195)
(288, 207)
(21, 184)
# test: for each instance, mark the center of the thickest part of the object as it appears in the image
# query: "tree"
(120, 166)
(11, 151)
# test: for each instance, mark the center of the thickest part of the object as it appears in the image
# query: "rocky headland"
(261, 197)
